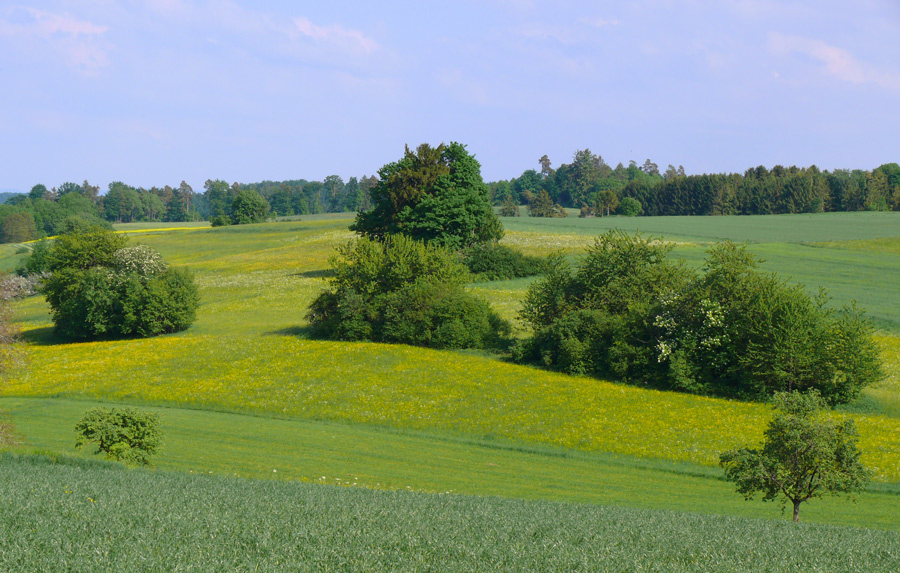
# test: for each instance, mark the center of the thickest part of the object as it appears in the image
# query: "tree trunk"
(796, 511)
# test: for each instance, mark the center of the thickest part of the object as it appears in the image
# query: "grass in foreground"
(382, 458)
(86, 516)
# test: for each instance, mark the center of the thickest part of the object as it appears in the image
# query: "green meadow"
(246, 393)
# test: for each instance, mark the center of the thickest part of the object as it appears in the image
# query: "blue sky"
(159, 91)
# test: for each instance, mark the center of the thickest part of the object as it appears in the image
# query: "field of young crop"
(249, 353)
(72, 515)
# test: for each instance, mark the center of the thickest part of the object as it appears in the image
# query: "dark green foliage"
(38, 261)
(125, 435)
(220, 221)
(403, 291)
(492, 261)
(18, 228)
(509, 207)
(630, 313)
(630, 207)
(249, 207)
(84, 249)
(805, 455)
(434, 195)
(72, 515)
(542, 206)
(98, 288)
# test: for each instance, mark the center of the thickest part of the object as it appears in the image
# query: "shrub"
(630, 207)
(99, 288)
(126, 435)
(403, 291)
(631, 313)
(220, 221)
(492, 261)
(509, 208)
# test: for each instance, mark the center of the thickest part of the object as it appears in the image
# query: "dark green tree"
(509, 207)
(249, 207)
(805, 455)
(18, 228)
(435, 195)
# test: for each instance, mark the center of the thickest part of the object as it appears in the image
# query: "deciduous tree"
(805, 455)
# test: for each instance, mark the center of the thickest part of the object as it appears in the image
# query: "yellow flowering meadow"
(247, 353)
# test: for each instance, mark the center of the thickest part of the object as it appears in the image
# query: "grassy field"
(379, 457)
(72, 515)
(247, 365)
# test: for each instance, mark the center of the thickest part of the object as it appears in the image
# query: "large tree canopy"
(435, 195)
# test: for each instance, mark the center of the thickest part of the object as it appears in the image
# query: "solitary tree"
(804, 455)
(436, 195)
(127, 435)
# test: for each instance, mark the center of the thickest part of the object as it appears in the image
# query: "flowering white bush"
(141, 259)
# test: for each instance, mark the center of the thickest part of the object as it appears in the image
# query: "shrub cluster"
(403, 291)
(492, 261)
(631, 313)
(100, 288)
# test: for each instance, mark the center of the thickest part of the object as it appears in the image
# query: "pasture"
(245, 391)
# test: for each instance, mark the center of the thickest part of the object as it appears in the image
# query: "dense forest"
(590, 184)
(587, 183)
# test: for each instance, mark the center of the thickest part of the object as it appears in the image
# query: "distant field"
(249, 351)
(76, 516)
(813, 228)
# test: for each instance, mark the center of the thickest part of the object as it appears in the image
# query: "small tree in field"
(125, 435)
(805, 455)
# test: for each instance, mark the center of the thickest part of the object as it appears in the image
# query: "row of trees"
(590, 184)
(47, 212)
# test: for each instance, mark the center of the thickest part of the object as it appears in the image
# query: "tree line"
(590, 184)
(47, 211)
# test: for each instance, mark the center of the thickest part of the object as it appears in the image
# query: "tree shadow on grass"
(318, 274)
(45, 336)
(304, 332)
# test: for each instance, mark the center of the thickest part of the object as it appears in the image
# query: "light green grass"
(755, 229)
(381, 458)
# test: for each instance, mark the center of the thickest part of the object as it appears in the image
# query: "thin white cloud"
(837, 62)
(338, 36)
(76, 41)
(599, 22)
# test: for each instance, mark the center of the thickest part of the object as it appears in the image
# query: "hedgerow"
(630, 312)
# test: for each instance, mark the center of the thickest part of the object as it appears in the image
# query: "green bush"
(100, 288)
(492, 261)
(629, 312)
(403, 291)
(125, 435)
(630, 207)
(220, 221)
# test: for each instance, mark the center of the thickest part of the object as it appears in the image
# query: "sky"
(155, 92)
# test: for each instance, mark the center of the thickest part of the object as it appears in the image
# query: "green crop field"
(77, 516)
(245, 391)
